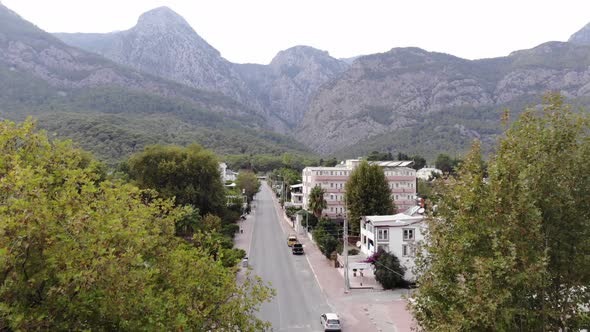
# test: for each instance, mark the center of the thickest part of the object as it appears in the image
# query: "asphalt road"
(299, 301)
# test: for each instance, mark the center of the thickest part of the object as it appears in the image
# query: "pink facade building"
(401, 179)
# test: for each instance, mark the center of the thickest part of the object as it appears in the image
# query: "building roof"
(399, 163)
(409, 217)
(350, 164)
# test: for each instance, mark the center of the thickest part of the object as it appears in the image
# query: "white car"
(330, 322)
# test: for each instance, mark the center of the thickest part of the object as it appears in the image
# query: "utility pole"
(345, 253)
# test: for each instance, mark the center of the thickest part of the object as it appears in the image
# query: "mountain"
(113, 110)
(412, 100)
(288, 82)
(582, 36)
(164, 44)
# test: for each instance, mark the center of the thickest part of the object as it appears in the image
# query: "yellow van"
(291, 240)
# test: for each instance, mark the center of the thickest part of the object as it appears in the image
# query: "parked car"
(291, 240)
(330, 322)
(297, 249)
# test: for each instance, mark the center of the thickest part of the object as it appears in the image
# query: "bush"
(353, 251)
(230, 230)
(388, 270)
(292, 211)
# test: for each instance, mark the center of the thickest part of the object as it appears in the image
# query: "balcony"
(401, 178)
(319, 178)
(403, 190)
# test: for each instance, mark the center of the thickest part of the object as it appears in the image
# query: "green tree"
(388, 270)
(511, 253)
(419, 162)
(446, 164)
(78, 253)
(331, 163)
(367, 193)
(326, 236)
(317, 202)
(190, 175)
(248, 183)
(402, 156)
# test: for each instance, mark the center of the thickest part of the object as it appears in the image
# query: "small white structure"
(297, 195)
(227, 174)
(427, 172)
(398, 234)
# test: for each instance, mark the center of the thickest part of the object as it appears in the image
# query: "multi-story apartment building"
(401, 179)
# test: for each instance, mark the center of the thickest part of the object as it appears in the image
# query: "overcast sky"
(255, 30)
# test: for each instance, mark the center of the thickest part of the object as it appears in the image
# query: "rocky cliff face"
(293, 76)
(389, 92)
(163, 43)
(25, 48)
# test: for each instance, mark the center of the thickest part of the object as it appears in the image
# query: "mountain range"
(405, 100)
(114, 110)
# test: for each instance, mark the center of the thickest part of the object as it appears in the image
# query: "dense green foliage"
(367, 194)
(317, 203)
(326, 235)
(189, 175)
(248, 184)
(512, 253)
(263, 162)
(80, 253)
(446, 164)
(388, 270)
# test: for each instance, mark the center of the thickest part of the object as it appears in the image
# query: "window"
(408, 234)
(331, 197)
(383, 234)
(331, 209)
(397, 185)
(331, 185)
(364, 239)
(408, 250)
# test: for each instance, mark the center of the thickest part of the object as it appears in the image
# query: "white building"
(401, 179)
(426, 172)
(227, 174)
(398, 234)
(297, 195)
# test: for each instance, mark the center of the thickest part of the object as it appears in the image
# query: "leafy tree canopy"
(511, 253)
(78, 253)
(367, 193)
(446, 164)
(248, 183)
(188, 174)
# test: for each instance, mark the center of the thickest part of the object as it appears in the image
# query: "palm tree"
(317, 203)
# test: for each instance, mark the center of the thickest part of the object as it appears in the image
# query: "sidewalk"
(360, 309)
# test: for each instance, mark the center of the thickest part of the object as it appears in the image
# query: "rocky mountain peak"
(305, 58)
(300, 51)
(161, 16)
(582, 36)
(164, 24)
